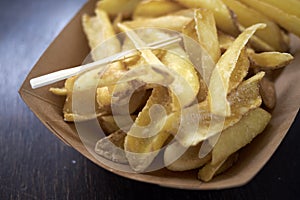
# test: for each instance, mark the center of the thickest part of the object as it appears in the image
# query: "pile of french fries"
(233, 94)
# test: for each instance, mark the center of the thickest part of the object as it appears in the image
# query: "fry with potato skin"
(246, 16)
(115, 7)
(242, 133)
(155, 8)
(99, 29)
(207, 32)
(285, 20)
(289, 6)
(220, 79)
(244, 98)
(270, 60)
(209, 170)
(224, 18)
(187, 161)
(166, 22)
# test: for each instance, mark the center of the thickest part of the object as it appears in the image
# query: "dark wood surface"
(37, 165)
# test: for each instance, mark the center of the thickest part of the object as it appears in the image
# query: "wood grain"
(37, 165)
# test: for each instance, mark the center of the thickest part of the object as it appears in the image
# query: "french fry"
(224, 18)
(99, 29)
(142, 146)
(112, 147)
(209, 171)
(59, 91)
(247, 17)
(185, 13)
(104, 99)
(219, 85)
(258, 44)
(175, 160)
(115, 7)
(155, 8)
(246, 97)
(270, 60)
(240, 71)
(291, 7)
(109, 125)
(288, 21)
(166, 22)
(207, 33)
(242, 133)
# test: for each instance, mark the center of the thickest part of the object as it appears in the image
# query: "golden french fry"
(115, 7)
(270, 60)
(247, 17)
(224, 18)
(59, 91)
(109, 125)
(228, 163)
(142, 146)
(166, 22)
(112, 147)
(219, 85)
(99, 29)
(176, 161)
(259, 44)
(246, 97)
(188, 74)
(104, 98)
(240, 134)
(155, 8)
(207, 33)
(185, 13)
(289, 6)
(209, 171)
(288, 21)
(240, 71)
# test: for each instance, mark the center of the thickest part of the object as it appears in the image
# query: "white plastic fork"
(67, 73)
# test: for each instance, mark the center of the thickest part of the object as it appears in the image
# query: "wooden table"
(37, 165)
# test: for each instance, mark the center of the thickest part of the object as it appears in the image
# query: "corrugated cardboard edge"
(42, 103)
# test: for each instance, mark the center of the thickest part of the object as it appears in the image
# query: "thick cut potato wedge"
(224, 18)
(289, 6)
(109, 125)
(270, 60)
(176, 160)
(99, 29)
(207, 32)
(260, 45)
(219, 85)
(209, 171)
(288, 21)
(241, 100)
(144, 140)
(166, 22)
(115, 7)
(112, 147)
(239, 135)
(247, 17)
(155, 8)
